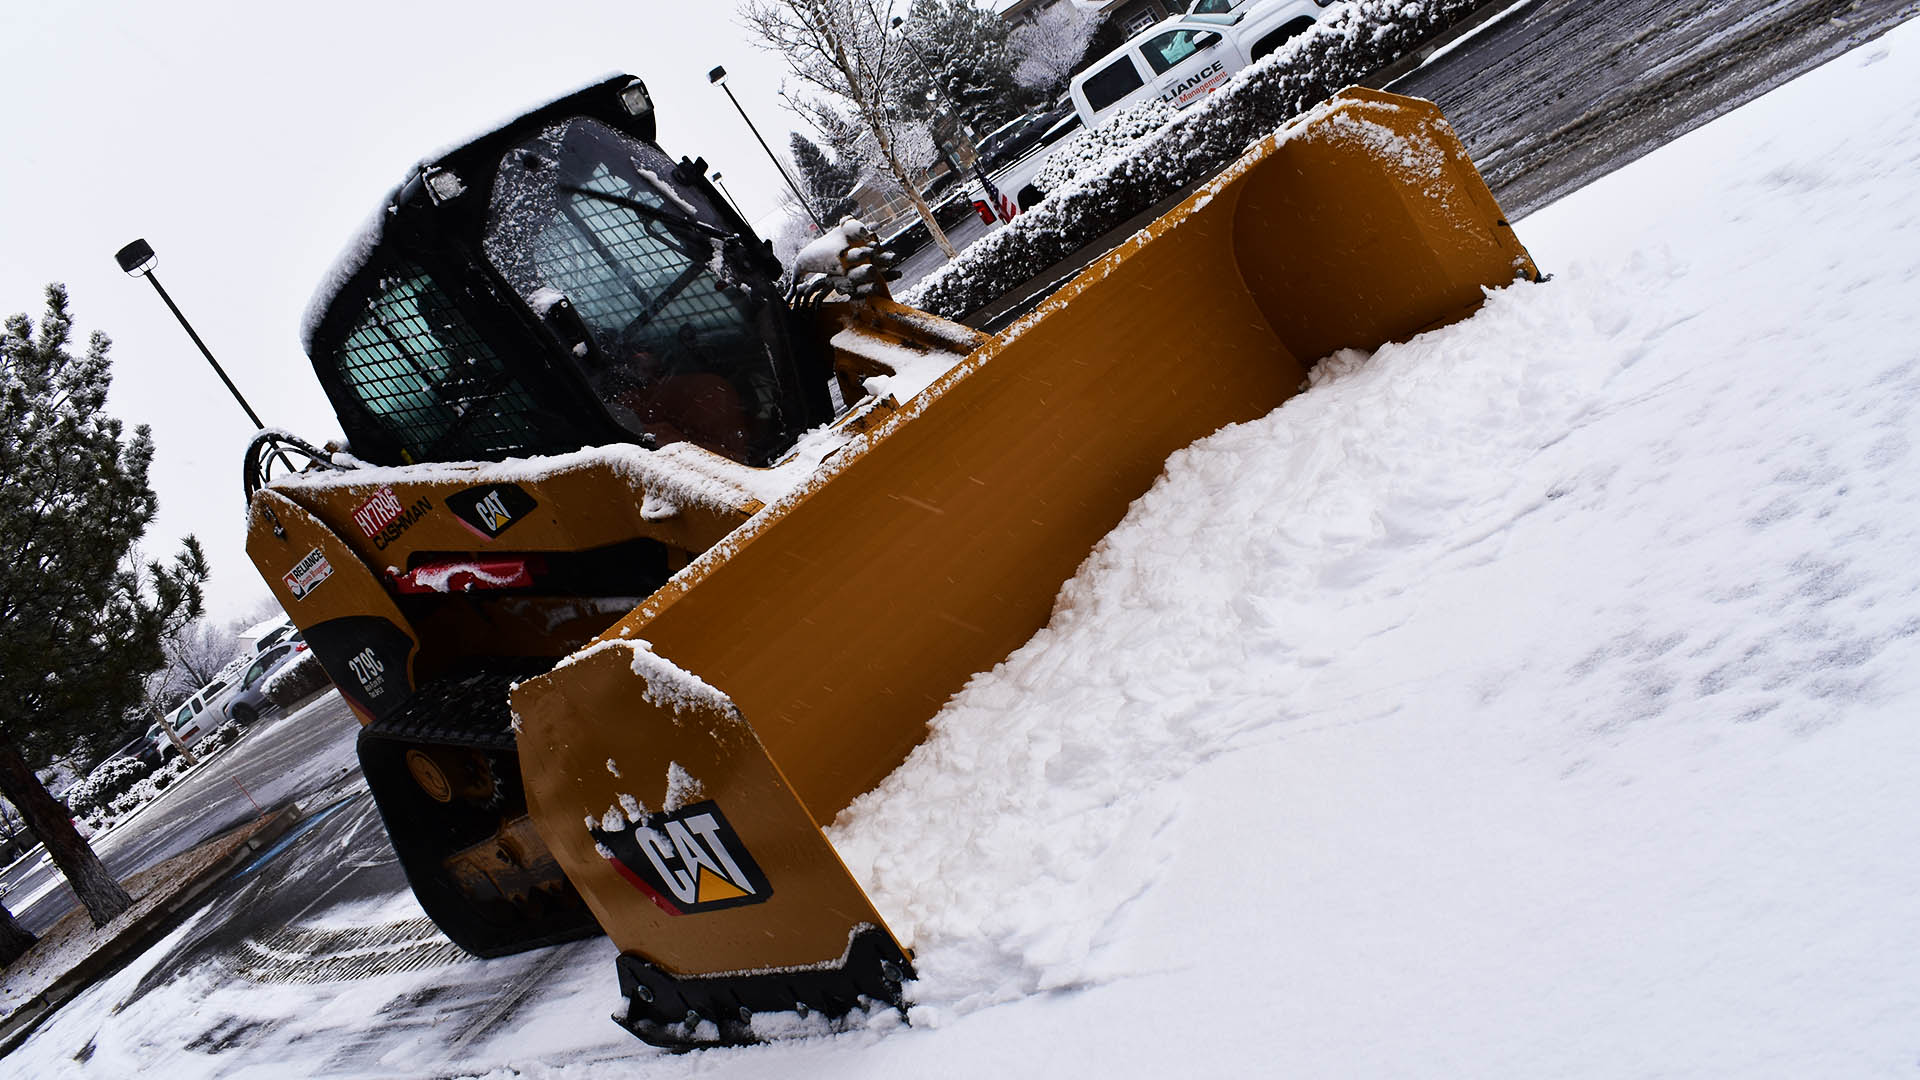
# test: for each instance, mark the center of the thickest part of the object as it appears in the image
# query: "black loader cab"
(561, 282)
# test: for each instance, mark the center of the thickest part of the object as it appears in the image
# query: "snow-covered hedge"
(110, 778)
(296, 680)
(1090, 146)
(106, 804)
(1355, 39)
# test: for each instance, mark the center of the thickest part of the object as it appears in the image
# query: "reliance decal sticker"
(1203, 82)
(491, 510)
(686, 862)
(383, 519)
(308, 574)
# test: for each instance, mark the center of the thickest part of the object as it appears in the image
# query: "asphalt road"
(281, 759)
(1558, 93)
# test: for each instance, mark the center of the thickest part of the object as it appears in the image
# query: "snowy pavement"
(1531, 699)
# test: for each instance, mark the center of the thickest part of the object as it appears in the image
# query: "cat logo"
(489, 511)
(686, 862)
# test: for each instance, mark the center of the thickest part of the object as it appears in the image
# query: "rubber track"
(468, 710)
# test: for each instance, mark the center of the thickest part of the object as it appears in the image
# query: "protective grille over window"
(680, 352)
(638, 282)
(423, 372)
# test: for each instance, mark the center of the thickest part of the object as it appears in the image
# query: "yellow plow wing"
(680, 770)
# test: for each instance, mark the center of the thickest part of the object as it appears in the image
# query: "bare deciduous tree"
(1049, 48)
(845, 58)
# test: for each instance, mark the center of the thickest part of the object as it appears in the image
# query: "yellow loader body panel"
(698, 748)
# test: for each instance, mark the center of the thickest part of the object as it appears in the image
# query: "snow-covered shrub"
(296, 680)
(98, 788)
(219, 739)
(1090, 146)
(1353, 40)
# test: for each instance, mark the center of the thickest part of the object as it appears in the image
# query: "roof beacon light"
(444, 185)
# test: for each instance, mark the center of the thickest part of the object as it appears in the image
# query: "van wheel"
(244, 716)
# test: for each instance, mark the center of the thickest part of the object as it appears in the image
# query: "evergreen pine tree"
(828, 183)
(84, 621)
(963, 46)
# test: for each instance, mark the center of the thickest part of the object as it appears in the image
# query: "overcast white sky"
(247, 142)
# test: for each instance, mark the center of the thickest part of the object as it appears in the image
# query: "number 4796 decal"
(687, 861)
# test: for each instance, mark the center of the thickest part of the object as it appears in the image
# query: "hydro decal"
(307, 574)
(491, 510)
(687, 861)
(383, 519)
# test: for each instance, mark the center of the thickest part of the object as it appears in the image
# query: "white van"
(1185, 58)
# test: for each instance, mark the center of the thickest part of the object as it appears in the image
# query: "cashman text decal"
(491, 510)
(307, 574)
(686, 862)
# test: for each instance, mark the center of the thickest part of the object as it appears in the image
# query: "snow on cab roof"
(361, 245)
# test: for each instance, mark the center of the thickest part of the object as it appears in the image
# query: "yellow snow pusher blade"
(680, 768)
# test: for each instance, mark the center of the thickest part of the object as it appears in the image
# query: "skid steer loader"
(637, 569)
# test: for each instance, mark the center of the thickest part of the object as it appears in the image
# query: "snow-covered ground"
(1532, 699)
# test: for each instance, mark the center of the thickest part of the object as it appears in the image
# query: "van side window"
(1116, 81)
(1165, 50)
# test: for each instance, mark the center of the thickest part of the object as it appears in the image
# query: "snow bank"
(1532, 698)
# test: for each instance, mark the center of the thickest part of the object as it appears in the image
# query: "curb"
(167, 901)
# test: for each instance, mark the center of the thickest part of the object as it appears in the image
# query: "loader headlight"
(635, 99)
(444, 185)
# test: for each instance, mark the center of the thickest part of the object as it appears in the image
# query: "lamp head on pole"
(137, 258)
(717, 76)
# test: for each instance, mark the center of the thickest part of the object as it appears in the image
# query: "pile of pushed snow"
(1535, 696)
(1351, 41)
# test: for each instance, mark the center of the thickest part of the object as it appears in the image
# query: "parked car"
(249, 701)
(1183, 59)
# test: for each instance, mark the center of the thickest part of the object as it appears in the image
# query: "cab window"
(427, 376)
(1112, 83)
(680, 352)
(185, 715)
(1163, 51)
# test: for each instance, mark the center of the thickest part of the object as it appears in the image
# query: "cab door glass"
(1192, 68)
(1112, 83)
(681, 352)
(1166, 50)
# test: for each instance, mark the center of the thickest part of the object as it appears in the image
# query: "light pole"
(718, 77)
(953, 107)
(731, 201)
(138, 260)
